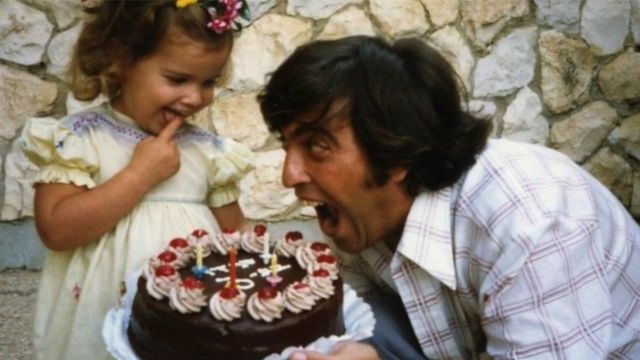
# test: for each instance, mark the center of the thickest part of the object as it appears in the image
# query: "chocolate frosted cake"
(228, 295)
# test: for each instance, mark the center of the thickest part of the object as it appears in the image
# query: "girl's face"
(174, 82)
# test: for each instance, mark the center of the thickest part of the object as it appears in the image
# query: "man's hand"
(347, 350)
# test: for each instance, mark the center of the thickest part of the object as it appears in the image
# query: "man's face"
(326, 166)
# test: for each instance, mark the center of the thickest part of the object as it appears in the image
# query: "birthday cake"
(232, 295)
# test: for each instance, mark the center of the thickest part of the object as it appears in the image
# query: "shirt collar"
(426, 239)
(119, 116)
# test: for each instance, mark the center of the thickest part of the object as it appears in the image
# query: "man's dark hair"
(404, 105)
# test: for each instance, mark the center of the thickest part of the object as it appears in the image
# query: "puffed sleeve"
(61, 155)
(232, 165)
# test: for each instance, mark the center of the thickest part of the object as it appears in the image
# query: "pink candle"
(232, 267)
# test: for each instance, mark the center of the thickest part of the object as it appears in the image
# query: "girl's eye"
(211, 82)
(175, 80)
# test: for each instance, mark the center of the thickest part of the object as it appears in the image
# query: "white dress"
(79, 286)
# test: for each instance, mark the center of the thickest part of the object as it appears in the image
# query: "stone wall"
(563, 73)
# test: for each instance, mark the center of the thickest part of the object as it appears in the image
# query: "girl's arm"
(230, 216)
(68, 216)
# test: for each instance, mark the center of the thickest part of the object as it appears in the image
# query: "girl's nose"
(294, 171)
(196, 96)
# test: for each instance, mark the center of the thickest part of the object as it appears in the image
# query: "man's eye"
(317, 149)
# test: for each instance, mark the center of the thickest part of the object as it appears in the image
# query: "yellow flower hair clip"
(184, 3)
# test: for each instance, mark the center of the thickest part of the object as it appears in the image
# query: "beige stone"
(351, 21)
(484, 19)
(523, 120)
(627, 135)
(441, 12)
(22, 95)
(317, 9)
(262, 47)
(400, 17)
(566, 69)
(580, 134)
(612, 171)
(635, 198)
(620, 79)
(453, 47)
(238, 117)
(263, 196)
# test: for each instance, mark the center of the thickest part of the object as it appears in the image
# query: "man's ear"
(398, 174)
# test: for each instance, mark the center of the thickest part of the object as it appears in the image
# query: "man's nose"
(294, 171)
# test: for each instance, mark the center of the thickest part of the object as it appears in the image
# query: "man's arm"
(547, 295)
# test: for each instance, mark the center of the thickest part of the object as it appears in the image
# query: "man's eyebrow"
(322, 125)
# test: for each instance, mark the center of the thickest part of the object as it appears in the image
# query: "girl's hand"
(157, 157)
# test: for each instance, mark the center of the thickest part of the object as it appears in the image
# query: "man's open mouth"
(328, 218)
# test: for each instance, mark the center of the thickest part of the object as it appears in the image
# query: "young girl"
(119, 181)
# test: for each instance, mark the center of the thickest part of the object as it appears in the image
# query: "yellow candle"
(199, 255)
(274, 265)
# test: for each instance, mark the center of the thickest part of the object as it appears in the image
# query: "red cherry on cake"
(319, 247)
(229, 293)
(192, 283)
(321, 273)
(259, 229)
(167, 256)
(199, 233)
(292, 236)
(300, 285)
(267, 293)
(329, 259)
(179, 243)
(228, 230)
(165, 270)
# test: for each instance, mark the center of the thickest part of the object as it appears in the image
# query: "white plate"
(358, 318)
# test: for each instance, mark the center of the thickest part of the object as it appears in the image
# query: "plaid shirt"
(527, 256)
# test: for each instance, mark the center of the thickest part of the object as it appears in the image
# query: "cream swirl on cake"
(266, 304)
(167, 257)
(160, 283)
(289, 244)
(183, 250)
(320, 283)
(307, 255)
(329, 263)
(188, 297)
(222, 242)
(227, 304)
(254, 241)
(201, 238)
(298, 297)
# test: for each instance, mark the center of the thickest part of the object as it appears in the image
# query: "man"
(493, 246)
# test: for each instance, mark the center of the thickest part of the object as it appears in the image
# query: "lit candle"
(232, 267)
(274, 265)
(199, 255)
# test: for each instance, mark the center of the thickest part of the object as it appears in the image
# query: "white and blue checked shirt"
(527, 256)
